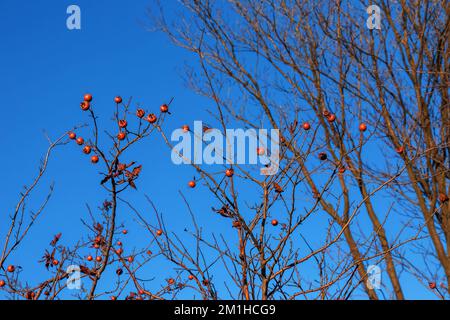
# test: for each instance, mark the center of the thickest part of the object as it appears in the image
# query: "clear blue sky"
(44, 71)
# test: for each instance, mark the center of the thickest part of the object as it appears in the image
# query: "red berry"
(119, 251)
(170, 281)
(87, 149)
(113, 298)
(118, 99)
(121, 135)
(119, 243)
(72, 136)
(432, 285)
(151, 118)
(331, 117)
(2, 283)
(159, 232)
(306, 126)
(164, 108)
(229, 173)
(185, 128)
(123, 123)
(274, 222)
(55, 262)
(119, 271)
(362, 127)
(80, 141)
(89, 258)
(88, 97)
(98, 259)
(192, 184)
(130, 259)
(191, 277)
(260, 151)
(140, 113)
(400, 150)
(11, 268)
(94, 159)
(124, 231)
(85, 105)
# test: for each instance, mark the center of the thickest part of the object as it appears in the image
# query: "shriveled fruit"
(87, 149)
(164, 108)
(140, 113)
(323, 156)
(84, 105)
(123, 123)
(151, 118)
(121, 135)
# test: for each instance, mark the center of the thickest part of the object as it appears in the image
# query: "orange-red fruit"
(362, 127)
(87, 149)
(191, 277)
(84, 105)
(432, 285)
(118, 99)
(185, 128)
(94, 159)
(331, 117)
(89, 258)
(306, 126)
(140, 113)
(149, 252)
(119, 251)
(119, 243)
(151, 118)
(164, 108)
(159, 232)
(121, 135)
(130, 259)
(11, 268)
(400, 150)
(55, 262)
(72, 135)
(171, 281)
(125, 231)
(113, 298)
(2, 283)
(341, 169)
(274, 222)
(229, 173)
(260, 151)
(88, 97)
(98, 259)
(123, 123)
(192, 184)
(80, 141)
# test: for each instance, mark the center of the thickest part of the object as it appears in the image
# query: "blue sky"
(45, 70)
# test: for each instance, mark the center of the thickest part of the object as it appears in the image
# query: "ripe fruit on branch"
(89, 258)
(98, 259)
(80, 141)
(84, 105)
(185, 128)
(323, 156)
(274, 222)
(151, 118)
(113, 298)
(164, 108)
(192, 184)
(2, 283)
(11, 268)
(119, 251)
(400, 150)
(432, 285)
(55, 262)
(229, 173)
(341, 169)
(191, 277)
(87, 149)
(149, 252)
(119, 243)
(124, 231)
(260, 151)
(88, 97)
(170, 281)
(236, 224)
(140, 113)
(362, 127)
(123, 123)
(130, 259)
(306, 126)
(121, 136)
(72, 135)
(159, 232)
(94, 159)
(331, 117)
(118, 99)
